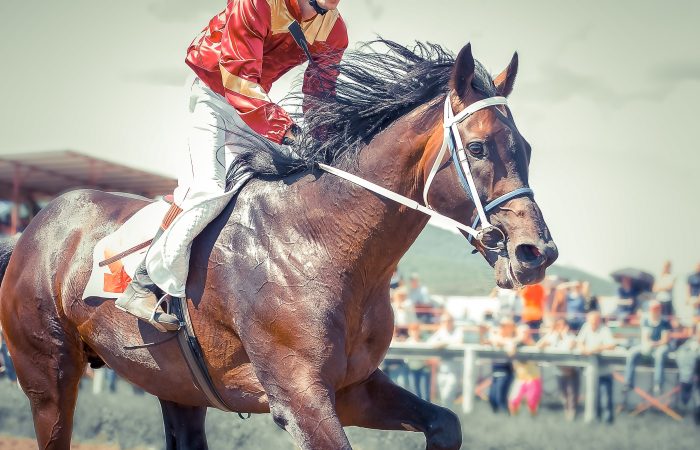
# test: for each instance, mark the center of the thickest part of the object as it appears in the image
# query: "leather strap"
(459, 155)
(298, 35)
(172, 213)
(504, 198)
(433, 171)
(314, 4)
(125, 253)
(384, 192)
(194, 357)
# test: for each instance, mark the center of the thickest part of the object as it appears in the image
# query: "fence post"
(591, 388)
(469, 379)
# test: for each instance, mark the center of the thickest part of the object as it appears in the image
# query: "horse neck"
(379, 231)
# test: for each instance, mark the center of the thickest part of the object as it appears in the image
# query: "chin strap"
(318, 9)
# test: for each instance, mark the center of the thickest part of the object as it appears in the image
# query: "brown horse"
(289, 286)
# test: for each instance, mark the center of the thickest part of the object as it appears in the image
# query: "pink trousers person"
(530, 390)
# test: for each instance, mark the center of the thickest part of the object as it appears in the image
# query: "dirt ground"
(128, 421)
(15, 443)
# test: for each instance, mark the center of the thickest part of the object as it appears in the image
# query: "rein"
(453, 141)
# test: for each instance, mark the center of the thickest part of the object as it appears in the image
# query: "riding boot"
(139, 299)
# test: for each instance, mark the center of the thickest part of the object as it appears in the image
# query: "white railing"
(471, 353)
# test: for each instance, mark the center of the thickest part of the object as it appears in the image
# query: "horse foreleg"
(380, 404)
(307, 412)
(302, 404)
(184, 426)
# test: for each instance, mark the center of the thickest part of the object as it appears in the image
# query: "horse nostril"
(530, 255)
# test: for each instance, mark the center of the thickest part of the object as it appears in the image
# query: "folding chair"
(656, 402)
(664, 398)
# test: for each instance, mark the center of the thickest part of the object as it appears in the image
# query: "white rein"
(453, 141)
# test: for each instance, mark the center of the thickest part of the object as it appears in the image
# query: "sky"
(606, 94)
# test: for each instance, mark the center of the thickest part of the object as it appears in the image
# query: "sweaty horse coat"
(288, 287)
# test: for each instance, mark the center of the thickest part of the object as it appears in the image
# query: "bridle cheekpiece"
(453, 141)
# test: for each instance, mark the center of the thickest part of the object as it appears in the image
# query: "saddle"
(115, 259)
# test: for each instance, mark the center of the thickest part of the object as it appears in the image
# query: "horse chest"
(369, 340)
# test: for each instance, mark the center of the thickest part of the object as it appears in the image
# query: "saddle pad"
(111, 280)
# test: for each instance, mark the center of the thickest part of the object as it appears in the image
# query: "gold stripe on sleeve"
(242, 86)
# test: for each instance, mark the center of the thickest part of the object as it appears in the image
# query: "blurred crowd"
(557, 314)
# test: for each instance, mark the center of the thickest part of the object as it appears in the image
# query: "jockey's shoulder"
(338, 37)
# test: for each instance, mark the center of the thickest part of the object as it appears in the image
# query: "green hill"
(445, 264)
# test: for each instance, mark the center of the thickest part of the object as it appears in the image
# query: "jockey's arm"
(320, 77)
(241, 68)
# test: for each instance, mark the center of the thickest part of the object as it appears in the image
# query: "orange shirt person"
(533, 297)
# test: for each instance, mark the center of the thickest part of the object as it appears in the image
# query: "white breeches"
(201, 191)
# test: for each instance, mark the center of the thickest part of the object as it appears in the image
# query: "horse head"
(519, 245)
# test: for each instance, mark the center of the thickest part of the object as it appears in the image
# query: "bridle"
(453, 141)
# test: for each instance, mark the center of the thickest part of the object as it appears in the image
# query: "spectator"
(487, 325)
(627, 300)
(417, 293)
(559, 338)
(404, 309)
(678, 334)
(6, 360)
(506, 338)
(396, 369)
(550, 284)
(576, 306)
(527, 386)
(688, 361)
(593, 339)
(419, 297)
(592, 304)
(450, 370)
(663, 288)
(559, 294)
(694, 293)
(418, 371)
(655, 337)
(100, 376)
(533, 298)
(509, 305)
(395, 282)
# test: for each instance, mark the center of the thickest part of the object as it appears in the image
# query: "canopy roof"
(52, 173)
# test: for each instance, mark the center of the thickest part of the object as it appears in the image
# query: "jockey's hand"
(288, 138)
(291, 134)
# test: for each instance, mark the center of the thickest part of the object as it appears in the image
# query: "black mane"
(378, 83)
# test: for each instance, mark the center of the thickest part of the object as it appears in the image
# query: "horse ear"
(505, 80)
(463, 72)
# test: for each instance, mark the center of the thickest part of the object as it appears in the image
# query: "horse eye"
(476, 148)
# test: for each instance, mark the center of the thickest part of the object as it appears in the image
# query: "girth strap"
(194, 356)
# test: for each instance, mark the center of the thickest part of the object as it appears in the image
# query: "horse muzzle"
(529, 260)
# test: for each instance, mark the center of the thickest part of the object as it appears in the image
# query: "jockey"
(236, 59)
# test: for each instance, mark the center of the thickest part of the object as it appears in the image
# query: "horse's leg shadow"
(184, 426)
(380, 404)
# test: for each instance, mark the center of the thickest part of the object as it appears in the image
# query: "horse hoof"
(445, 432)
